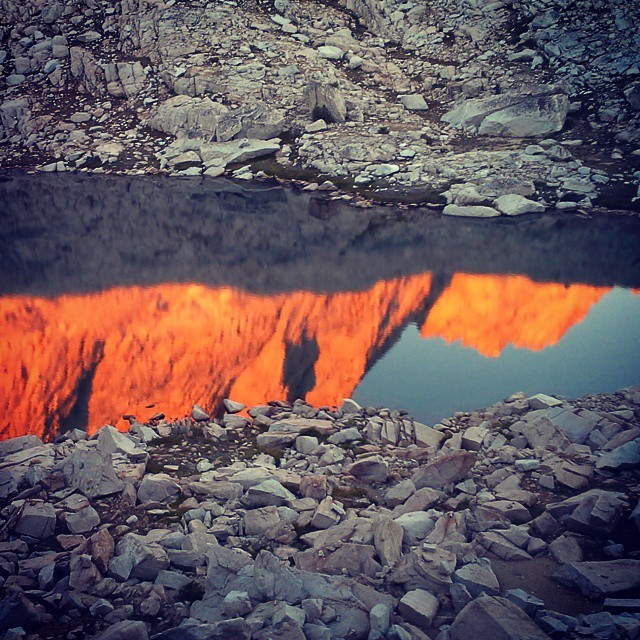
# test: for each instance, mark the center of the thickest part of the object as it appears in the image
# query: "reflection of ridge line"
(418, 315)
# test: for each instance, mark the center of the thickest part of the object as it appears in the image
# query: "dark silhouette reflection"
(64, 233)
(119, 293)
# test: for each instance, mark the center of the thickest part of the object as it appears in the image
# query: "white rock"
(414, 102)
(330, 53)
(513, 204)
(470, 211)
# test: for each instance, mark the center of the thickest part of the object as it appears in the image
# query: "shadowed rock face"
(71, 234)
(119, 294)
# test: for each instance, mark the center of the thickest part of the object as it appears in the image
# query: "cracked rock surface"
(384, 100)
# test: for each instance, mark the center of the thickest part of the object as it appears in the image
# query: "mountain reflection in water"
(295, 297)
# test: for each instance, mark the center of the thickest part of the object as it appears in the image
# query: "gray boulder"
(325, 101)
(83, 520)
(478, 577)
(186, 117)
(371, 469)
(444, 470)
(158, 487)
(513, 204)
(13, 445)
(387, 539)
(632, 94)
(488, 618)
(91, 472)
(124, 79)
(14, 115)
(414, 102)
(138, 557)
(36, 521)
(266, 494)
(110, 440)
(520, 115)
(419, 607)
(416, 525)
(125, 630)
(626, 456)
(600, 578)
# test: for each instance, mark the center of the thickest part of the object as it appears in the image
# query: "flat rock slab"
(36, 521)
(444, 470)
(601, 578)
(626, 456)
(303, 425)
(488, 618)
(518, 115)
(470, 211)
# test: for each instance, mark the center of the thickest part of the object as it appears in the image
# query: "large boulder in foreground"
(91, 472)
(488, 618)
(519, 115)
(601, 578)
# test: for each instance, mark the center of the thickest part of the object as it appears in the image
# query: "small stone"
(330, 53)
(233, 407)
(199, 414)
(414, 102)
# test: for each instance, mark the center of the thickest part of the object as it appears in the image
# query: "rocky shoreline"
(490, 108)
(294, 522)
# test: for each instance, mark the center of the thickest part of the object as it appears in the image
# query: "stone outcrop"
(511, 115)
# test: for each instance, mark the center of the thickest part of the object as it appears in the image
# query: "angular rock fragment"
(478, 577)
(158, 487)
(91, 472)
(511, 115)
(601, 578)
(371, 469)
(83, 520)
(419, 607)
(444, 470)
(37, 520)
(489, 618)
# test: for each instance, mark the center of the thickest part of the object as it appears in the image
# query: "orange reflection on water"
(115, 352)
(175, 345)
(488, 312)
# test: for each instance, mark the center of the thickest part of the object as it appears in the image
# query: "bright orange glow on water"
(175, 345)
(490, 312)
(118, 351)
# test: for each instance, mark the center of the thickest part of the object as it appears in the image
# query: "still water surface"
(133, 295)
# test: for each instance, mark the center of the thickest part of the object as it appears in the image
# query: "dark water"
(137, 295)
